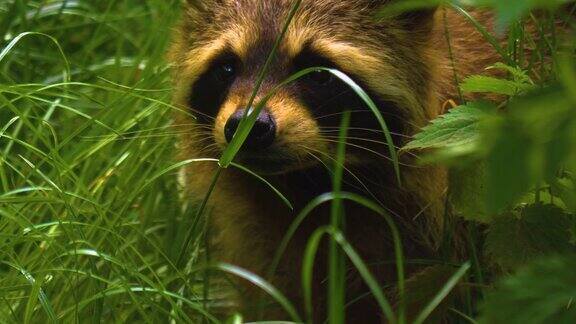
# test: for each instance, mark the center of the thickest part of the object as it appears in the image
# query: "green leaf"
(467, 187)
(528, 144)
(558, 150)
(487, 84)
(508, 169)
(544, 292)
(565, 189)
(518, 75)
(540, 230)
(458, 127)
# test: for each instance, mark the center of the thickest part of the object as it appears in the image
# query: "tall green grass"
(84, 123)
(93, 227)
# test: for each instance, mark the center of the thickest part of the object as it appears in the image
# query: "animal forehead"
(273, 13)
(252, 26)
(328, 7)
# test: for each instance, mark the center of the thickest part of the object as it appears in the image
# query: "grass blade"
(6, 50)
(262, 284)
(36, 294)
(443, 293)
(369, 279)
(336, 262)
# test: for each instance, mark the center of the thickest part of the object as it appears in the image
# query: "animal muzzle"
(261, 136)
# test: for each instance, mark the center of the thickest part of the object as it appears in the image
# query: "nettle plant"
(513, 163)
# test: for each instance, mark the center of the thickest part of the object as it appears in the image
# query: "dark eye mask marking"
(326, 96)
(211, 89)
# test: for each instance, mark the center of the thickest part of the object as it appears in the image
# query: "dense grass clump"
(93, 228)
(86, 231)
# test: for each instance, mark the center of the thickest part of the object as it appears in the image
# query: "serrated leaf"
(530, 143)
(458, 127)
(540, 230)
(508, 166)
(519, 75)
(467, 186)
(487, 84)
(544, 292)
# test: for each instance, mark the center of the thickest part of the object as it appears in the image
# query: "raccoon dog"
(406, 66)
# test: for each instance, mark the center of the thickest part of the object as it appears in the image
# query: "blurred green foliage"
(514, 165)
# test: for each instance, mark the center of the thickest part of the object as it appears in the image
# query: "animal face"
(222, 45)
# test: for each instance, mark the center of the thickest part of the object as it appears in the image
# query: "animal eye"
(321, 77)
(225, 72)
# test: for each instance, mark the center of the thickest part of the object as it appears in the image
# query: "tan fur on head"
(238, 23)
(295, 124)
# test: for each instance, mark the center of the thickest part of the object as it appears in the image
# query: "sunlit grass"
(85, 121)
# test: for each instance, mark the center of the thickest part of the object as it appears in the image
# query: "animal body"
(406, 65)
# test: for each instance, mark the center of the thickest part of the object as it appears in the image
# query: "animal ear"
(409, 13)
(197, 4)
(201, 10)
(419, 19)
(202, 5)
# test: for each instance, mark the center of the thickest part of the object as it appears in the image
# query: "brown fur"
(404, 62)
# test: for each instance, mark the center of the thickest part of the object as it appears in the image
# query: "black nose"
(262, 134)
